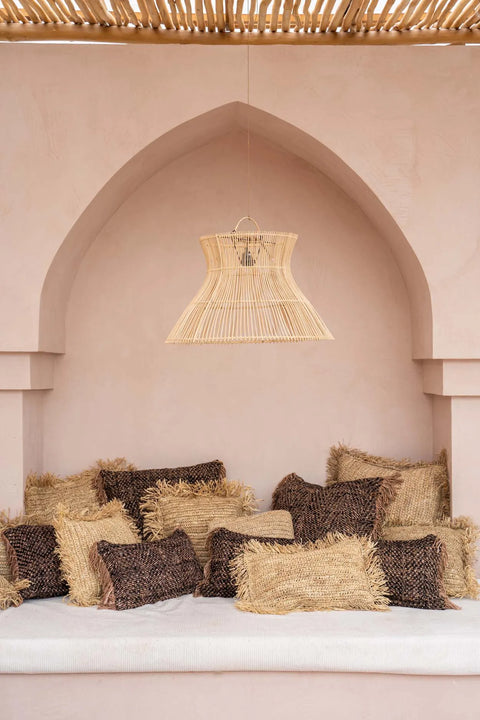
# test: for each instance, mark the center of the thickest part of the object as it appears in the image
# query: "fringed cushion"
(31, 555)
(130, 486)
(423, 496)
(414, 570)
(7, 522)
(223, 546)
(193, 508)
(76, 533)
(43, 493)
(272, 524)
(355, 508)
(134, 575)
(460, 538)
(10, 593)
(336, 573)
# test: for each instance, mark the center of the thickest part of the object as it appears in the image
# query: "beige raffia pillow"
(271, 524)
(193, 507)
(76, 533)
(422, 497)
(337, 573)
(6, 522)
(460, 537)
(43, 493)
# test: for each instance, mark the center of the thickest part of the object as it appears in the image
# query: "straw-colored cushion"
(193, 507)
(76, 533)
(271, 524)
(129, 486)
(423, 496)
(43, 493)
(460, 538)
(336, 573)
(10, 593)
(414, 570)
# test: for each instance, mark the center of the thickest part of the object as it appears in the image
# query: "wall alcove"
(265, 410)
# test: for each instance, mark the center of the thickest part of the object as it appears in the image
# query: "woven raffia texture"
(193, 508)
(31, 554)
(414, 570)
(76, 533)
(336, 573)
(460, 537)
(43, 493)
(131, 485)
(356, 508)
(10, 593)
(134, 575)
(6, 522)
(272, 524)
(423, 496)
(223, 546)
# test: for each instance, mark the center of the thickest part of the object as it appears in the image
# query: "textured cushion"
(134, 575)
(130, 486)
(460, 538)
(193, 508)
(356, 508)
(6, 522)
(31, 554)
(336, 573)
(223, 546)
(76, 533)
(414, 572)
(272, 524)
(423, 495)
(43, 493)
(10, 593)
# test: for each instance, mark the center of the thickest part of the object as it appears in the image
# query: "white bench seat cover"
(209, 635)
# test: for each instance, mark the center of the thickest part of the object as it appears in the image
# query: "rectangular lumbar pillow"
(134, 575)
(31, 552)
(414, 570)
(129, 486)
(193, 507)
(43, 493)
(76, 533)
(10, 593)
(356, 508)
(460, 538)
(336, 573)
(223, 546)
(271, 524)
(422, 497)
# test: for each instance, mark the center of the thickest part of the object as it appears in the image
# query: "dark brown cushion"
(31, 556)
(351, 508)
(143, 573)
(414, 571)
(223, 546)
(129, 486)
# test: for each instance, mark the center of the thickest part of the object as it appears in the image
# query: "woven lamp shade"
(249, 294)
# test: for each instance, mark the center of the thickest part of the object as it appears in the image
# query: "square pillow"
(43, 493)
(354, 508)
(193, 507)
(423, 496)
(336, 573)
(10, 593)
(129, 486)
(414, 570)
(6, 522)
(460, 538)
(31, 555)
(271, 524)
(223, 546)
(134, 575)
(76, 533)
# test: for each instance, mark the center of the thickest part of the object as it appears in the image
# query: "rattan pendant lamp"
(249, 294)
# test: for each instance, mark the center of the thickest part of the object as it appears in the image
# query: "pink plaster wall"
(265, 410)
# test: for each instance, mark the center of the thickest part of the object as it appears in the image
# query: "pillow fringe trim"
(107, 598)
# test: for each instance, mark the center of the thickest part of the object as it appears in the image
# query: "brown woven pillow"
(223, 546)
(76, 533)
(10, 593)
(31, 555)
(193, 508)
(7, 522)
(130, 486)
(423, 496)
(43, 493)
(134, 575)
(460, 538)
(336, 573)
(355, 508)
(414, 570)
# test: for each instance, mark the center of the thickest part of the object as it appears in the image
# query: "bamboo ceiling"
(365, 22)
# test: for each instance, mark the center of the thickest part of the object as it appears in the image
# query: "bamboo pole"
(262, 13)
(286, 15)
(325, 16)
(274, 17)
